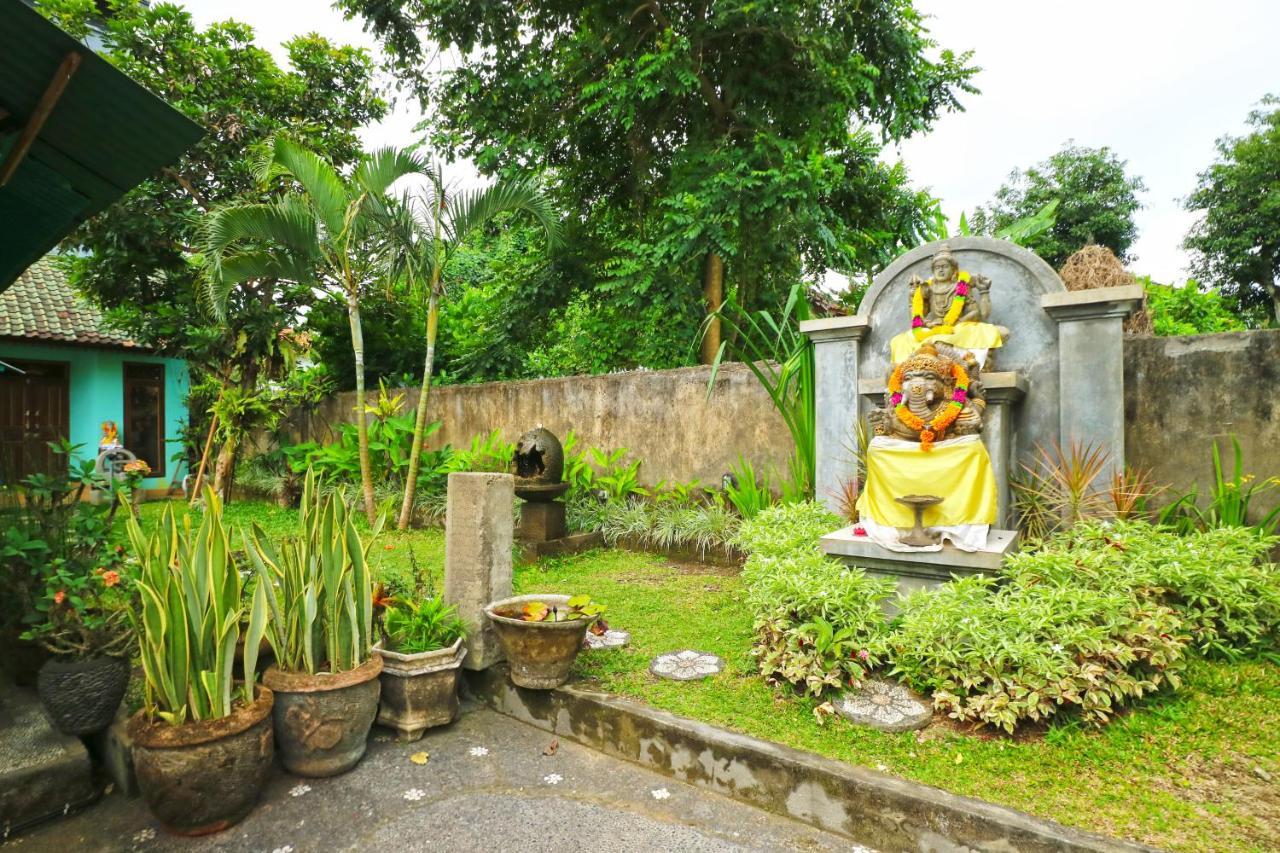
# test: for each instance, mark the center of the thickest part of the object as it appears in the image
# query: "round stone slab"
(686, 665)
(610, 639)
(885, 705)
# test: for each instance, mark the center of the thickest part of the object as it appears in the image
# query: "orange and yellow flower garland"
(938, 425)
(954, 310)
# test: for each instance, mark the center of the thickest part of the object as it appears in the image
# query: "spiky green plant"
(189, 620)
(321, 589)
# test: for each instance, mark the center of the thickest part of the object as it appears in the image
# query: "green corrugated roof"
(106, 134)
(42, 306)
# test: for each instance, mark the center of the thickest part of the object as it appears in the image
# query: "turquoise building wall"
(97, 393)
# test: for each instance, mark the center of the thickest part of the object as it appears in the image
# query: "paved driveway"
(486, 786)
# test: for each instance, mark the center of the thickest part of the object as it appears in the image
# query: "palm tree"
(322, 232)
(422, 237)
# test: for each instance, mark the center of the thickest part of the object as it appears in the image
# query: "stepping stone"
(885, 705)
(686, 665)
(610, 639)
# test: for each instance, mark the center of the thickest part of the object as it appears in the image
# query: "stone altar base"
(915, 570)
(541, 521)
(43, 773)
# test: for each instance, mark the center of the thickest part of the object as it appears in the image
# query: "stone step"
(43, 773)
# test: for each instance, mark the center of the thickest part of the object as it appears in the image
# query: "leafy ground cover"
(1191, 771)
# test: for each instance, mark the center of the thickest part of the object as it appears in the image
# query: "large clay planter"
(540, 653)
(81, 696)
(420, 691)
(322, 721)
(203, 777)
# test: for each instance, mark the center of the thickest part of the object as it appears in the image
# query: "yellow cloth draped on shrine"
(958, 470)
(966, 335)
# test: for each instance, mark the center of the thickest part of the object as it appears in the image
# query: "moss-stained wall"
(663, 417)
(1183, 393)
(97, 392)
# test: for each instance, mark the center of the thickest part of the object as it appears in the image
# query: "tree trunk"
(420, 423)
(362, 423)
(224, 470)
(713, 296)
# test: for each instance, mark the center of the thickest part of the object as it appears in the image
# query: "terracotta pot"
(540, 653)
(420, 691)
(81, 697)
(203, 777)
(322, 721)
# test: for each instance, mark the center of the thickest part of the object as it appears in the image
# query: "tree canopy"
(685, 137)
(1235, 246)
(138, 253)
(1096, 203)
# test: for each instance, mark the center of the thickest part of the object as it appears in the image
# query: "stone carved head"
(926, 378)
(944, 264)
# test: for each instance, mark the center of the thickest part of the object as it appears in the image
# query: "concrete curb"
(871, 808)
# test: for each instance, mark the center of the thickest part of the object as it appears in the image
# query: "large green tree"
(698, 144)
(1235, 245)
(1096, 203)
(136, 258)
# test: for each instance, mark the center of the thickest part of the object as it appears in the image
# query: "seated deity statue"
(928, 449)
(949, 310)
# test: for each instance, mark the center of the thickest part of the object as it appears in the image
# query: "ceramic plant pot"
(203, 777)
(322, 721)
(81, 696)
(540, 653)
(420, 691)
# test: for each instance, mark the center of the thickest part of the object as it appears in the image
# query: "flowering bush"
(999, 655)
(57, 570)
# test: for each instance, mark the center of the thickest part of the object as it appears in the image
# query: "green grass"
(1178, 772)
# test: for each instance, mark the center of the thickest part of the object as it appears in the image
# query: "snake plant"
(321, 589)
(189, 620)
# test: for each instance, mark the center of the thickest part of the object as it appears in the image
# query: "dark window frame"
(159, 464)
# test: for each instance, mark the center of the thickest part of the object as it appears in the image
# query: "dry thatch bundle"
(1097, 266)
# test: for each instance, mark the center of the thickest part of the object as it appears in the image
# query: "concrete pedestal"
(913, 570)
(43, 773)
(478, 540)
(541, 521)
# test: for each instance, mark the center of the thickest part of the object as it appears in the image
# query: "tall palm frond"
(469, 210)
(278, 239)
(323, 185)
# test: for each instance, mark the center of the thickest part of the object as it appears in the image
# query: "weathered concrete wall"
(1179, 393)
(664, 418)
(1182, 393)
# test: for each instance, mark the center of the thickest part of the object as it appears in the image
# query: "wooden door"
(34, 410)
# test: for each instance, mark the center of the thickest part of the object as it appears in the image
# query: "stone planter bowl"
(81, 696)
(540, 653)
(419, 691)
(203, 777)
(322, 721)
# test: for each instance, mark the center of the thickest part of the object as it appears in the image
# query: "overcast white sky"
(1156, 80)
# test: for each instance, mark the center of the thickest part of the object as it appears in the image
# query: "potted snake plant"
(422, 656)
(325, 675)
(202, 744)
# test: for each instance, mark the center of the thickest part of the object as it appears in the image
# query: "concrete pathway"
(486, 786)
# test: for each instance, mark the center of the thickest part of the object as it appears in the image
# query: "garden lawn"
(1196, 770)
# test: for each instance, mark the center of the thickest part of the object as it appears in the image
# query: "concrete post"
(1003, 390)
(836, 408)
(1091, 366)
(478, 538)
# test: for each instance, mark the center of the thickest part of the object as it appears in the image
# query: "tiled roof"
(41, 305)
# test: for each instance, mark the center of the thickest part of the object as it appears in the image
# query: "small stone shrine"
(539, 465)
(964, 358)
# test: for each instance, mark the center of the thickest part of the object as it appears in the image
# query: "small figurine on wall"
(110, 437)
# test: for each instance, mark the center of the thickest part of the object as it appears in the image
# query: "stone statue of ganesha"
(930, 397)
